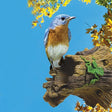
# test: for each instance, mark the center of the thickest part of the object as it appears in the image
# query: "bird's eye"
(63, 18)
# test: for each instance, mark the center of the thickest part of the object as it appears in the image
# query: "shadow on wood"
(72, 79)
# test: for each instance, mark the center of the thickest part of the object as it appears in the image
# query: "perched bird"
(57, 38)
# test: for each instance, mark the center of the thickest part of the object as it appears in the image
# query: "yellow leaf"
(88, 30)
(62, 1)
(39, 16)
(111, 51)
(42, 20)
(109, 24)
(57, 7)
(51, 11)
(90, 108)
(30, 3)
(110, 21)
(94, 26)
(66, 3)
(94, 36)
(34, 23)
(87, 1)
(34, 12)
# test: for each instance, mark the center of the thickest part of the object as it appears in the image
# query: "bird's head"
(61, 19)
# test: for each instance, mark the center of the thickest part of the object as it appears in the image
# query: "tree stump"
(72, 79)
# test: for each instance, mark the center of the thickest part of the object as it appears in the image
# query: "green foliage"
(93, 68)
(106, 3)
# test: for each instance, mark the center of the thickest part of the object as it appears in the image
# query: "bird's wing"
(69, 34)
(46, 36)
(47, 32)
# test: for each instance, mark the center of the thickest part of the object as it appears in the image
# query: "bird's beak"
(70, 18)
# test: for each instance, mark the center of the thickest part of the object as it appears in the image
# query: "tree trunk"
(72, 79)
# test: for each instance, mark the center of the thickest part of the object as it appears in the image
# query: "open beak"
(70, 18)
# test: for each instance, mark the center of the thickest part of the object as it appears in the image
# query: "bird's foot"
(61, 61)
(52, 72)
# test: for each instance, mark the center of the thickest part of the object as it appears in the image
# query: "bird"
(57, 38)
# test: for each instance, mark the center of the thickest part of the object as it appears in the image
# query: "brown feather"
(58, 36)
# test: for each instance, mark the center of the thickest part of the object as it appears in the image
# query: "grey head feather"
(57, 21)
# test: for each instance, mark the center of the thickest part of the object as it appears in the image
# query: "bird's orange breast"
(58, 36)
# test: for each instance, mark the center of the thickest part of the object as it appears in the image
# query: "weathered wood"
(72, 78)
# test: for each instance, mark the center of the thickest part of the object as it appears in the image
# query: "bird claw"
(52, 73)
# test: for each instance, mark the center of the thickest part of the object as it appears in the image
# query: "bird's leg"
(52, 69)
(61, 61)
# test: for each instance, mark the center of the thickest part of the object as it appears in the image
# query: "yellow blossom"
(39, 16)
(94, 36)
(36, 9)
(87, 1)
(66, 3)
(57, 7)
(42, 20)
(44, 11)
(51, 11)
(30, 3)
(34, 23)
(34, 12)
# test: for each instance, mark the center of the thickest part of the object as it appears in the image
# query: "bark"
(72, 79)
